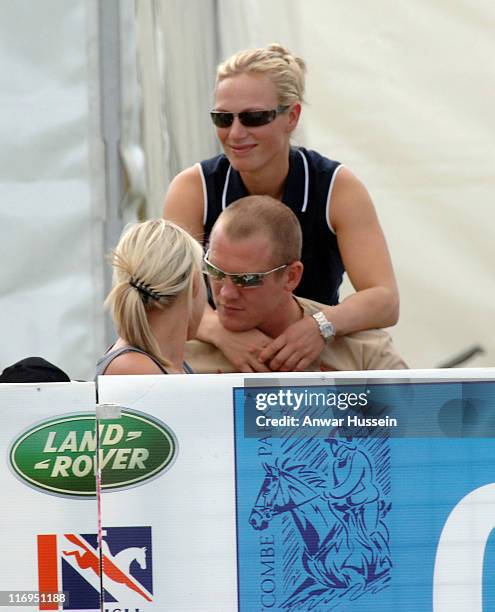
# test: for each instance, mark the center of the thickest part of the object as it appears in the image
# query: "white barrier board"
(288, 515)
(311, 492)
(34, 512)
(189, 511)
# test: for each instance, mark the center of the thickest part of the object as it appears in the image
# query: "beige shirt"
(365, 350)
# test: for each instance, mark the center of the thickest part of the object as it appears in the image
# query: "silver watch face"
(326, 328)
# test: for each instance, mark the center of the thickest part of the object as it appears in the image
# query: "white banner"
(250, 509)
(35, 515)
(362, 491)
(190, 509)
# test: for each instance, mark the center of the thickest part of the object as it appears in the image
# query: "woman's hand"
(296, 348)
(242, 349)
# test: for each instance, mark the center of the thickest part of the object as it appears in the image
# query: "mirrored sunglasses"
(247, 280)
(253, 118)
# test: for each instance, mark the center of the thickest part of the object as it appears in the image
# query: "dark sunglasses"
(253, 118)
(247, 280)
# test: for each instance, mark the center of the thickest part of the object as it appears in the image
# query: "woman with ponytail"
(157, 299)
(258, 100)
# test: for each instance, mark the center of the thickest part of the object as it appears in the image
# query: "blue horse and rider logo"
(325, 502)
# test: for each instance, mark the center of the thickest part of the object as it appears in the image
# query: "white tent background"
(104, 102)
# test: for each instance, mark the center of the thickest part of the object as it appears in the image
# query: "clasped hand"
(292, 351)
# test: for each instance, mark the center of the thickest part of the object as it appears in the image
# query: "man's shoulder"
(309, 306)
(371, 349)
(206, 358)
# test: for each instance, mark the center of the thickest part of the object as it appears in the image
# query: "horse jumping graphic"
(339, 516)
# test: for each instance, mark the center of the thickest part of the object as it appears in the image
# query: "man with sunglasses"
(253, 266)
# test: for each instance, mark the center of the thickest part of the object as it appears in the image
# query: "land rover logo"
(59, 455)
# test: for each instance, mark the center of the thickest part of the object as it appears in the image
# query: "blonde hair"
(262, 214)
(286, 71)
(153, 263)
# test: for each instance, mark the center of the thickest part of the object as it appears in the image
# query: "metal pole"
(111, 115)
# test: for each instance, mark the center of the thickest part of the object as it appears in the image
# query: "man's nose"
(228, 289)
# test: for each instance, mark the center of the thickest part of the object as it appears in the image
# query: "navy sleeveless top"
(307, 190)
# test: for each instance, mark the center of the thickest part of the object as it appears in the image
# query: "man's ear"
(294, 273)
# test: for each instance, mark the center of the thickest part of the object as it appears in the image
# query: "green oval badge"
(59, 455)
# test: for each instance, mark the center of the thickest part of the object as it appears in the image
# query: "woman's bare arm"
(184, 202)
(366, 259)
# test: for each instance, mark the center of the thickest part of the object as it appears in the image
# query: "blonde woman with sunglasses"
(157, 300)
(258, 98)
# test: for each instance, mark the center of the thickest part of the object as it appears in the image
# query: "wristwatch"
(327, 330)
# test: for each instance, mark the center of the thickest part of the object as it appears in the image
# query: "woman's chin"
(243, 162)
